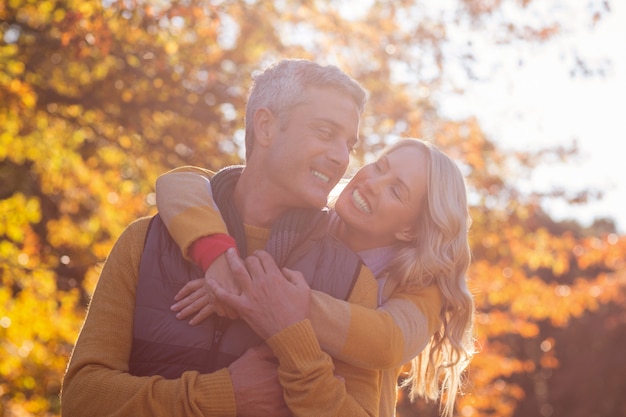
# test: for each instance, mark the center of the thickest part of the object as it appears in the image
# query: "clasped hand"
(196, 299)
(266, 297)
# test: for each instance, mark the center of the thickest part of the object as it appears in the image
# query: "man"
(302, 122)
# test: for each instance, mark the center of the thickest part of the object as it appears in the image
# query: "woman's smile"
(360, 202)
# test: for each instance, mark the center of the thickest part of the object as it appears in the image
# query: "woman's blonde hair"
(440, 255)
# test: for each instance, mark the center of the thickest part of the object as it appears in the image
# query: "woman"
(406, 216)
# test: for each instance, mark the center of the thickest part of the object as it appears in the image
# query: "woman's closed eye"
(395, 192)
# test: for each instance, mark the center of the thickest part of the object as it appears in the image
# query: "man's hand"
(256, 386)
(270, 299)
(197, 299)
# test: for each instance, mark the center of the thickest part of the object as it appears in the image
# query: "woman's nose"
(375, 183)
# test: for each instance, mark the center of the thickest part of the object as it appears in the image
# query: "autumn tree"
(97, 98)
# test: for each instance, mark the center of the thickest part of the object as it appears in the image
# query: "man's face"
(310, 153)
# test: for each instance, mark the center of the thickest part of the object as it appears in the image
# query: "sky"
(539, 104)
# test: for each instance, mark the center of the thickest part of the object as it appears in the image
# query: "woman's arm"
(402, 326)
(185, 203)
(381, 338)
(305, 371)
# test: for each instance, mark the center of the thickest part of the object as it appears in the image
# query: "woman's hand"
(194, 299)
(270, 299)
(197, 299)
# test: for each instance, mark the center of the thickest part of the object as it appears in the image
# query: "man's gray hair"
(279, 88)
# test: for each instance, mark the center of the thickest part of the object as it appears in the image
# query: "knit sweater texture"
(97, 382)
(383, 337)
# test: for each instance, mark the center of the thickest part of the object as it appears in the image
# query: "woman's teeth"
(360, 202)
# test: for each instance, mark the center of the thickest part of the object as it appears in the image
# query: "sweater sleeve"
(376, 338)
(205, 250)
(185, 202)
(308, 377)
(403, 324)
(97, 382)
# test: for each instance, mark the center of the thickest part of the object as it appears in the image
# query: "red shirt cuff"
(207, 248)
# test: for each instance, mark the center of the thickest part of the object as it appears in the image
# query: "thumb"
(295, 277)
(214, 286)
(222, 295)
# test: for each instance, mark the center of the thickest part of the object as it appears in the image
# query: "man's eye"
(325, 133)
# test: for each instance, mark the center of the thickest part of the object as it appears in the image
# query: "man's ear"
(408, 234)
(264, 125)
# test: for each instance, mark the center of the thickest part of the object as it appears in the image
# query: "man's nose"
(340, 154)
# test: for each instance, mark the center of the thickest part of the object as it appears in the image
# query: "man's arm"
(274, 303)
(311, 380)
(403, 325)
(97, 382)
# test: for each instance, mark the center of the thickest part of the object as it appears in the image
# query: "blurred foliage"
(97, 98)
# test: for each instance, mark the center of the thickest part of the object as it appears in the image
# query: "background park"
(99, 97)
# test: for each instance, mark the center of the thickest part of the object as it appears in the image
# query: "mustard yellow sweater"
(382, 338)
(97, 382)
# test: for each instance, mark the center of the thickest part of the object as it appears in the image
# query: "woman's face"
(381, 203)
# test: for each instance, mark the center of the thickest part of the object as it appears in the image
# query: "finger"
(188, 300)
(267, 261)
(185, 302)
(238, 268)
(254, 267)
(231, 313)
(184, 292)
(295, 277)
(220, 309)
(202, 315)
(231, 300)
(194, 307)
(189, 288)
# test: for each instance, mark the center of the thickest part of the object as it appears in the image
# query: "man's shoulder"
(192, 169)
(140, 224)
(136, 231)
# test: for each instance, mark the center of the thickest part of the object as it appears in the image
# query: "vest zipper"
(215, 343)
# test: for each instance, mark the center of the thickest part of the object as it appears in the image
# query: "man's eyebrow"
(327, 120)
(353, 141)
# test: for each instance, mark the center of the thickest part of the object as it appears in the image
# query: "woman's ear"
(264, 124)
(408, 234)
